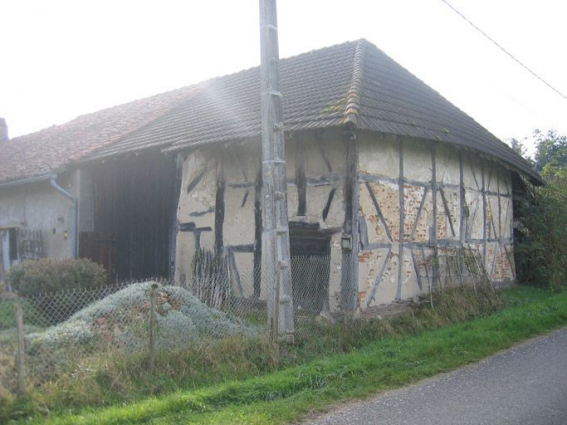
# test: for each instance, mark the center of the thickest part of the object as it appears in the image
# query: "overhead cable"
(504, 50)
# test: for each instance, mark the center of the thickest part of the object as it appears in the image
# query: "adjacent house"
(383, 174)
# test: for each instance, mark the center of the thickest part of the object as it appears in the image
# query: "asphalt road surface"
(523, 385)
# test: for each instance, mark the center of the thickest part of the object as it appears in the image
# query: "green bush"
(42, 281)
(540, 215)
(541, 253)
(43, 276)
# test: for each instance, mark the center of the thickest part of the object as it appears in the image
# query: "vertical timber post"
(483, 170)
(275, 236)
(401, 233)
(174, 223)
(461, 202)
(433, 235)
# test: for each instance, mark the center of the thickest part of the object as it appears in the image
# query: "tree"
(518, 147)
(541, 253)
(551, 152)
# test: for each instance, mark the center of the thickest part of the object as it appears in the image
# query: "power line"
(504, 50)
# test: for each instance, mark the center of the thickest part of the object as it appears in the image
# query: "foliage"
(551, 150)
(389, 362)
(519, 148)
(47, 276)
(118, 376)
(541, 252)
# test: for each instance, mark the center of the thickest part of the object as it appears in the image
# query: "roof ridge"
(352, 106)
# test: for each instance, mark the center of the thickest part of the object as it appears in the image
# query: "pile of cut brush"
(122, 320)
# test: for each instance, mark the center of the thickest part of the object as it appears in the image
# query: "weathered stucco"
(415, 198)
(323, 166)
(472, 208)
(196, 205)
(39, 207)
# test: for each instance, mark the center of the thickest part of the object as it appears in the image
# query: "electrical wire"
(504, 50)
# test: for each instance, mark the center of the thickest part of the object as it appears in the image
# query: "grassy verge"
(390, 362)
(74, 379)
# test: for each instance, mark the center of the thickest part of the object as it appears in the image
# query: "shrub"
(46, 275)
(39, 280)
(541, 254)
(540, 215)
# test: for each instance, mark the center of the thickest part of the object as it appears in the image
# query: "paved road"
(524, 385)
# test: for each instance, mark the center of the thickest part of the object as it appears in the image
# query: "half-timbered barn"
(383, 174)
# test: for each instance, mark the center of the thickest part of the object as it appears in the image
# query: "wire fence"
(154, 317)
(150, 317)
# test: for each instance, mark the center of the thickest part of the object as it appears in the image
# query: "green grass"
(8, 317)
(390, 362)
(70, 380)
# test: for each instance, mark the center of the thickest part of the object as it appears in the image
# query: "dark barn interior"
(310, 266)
(133, 215)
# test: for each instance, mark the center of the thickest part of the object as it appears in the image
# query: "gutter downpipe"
(75, 224)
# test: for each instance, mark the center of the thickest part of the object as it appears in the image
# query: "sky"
(60, 59)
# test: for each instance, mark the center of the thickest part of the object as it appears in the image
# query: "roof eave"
(27, 180)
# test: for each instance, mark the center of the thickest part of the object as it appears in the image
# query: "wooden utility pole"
(275, 236)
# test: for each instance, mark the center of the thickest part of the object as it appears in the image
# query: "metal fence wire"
(215, 303)
(161, 316)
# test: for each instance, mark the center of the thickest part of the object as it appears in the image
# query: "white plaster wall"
(325, 156)
(383, 162)
(447, 164)
(37, 206)
(241, 168)
(331, 148)
(417, 160)
(201, 200)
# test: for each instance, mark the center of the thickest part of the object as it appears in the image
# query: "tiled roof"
(51, 149)
(352, 83)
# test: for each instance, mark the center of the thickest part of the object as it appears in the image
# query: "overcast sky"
(60, 59)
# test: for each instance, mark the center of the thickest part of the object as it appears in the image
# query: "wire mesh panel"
(87, 327)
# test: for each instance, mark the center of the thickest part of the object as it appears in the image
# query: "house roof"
(351, 83)
(50, 150)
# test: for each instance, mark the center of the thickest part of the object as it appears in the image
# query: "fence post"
(152, 347)
(20, 366)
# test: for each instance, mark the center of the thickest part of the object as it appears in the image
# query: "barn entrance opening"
(133, 210)
(310, 266)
